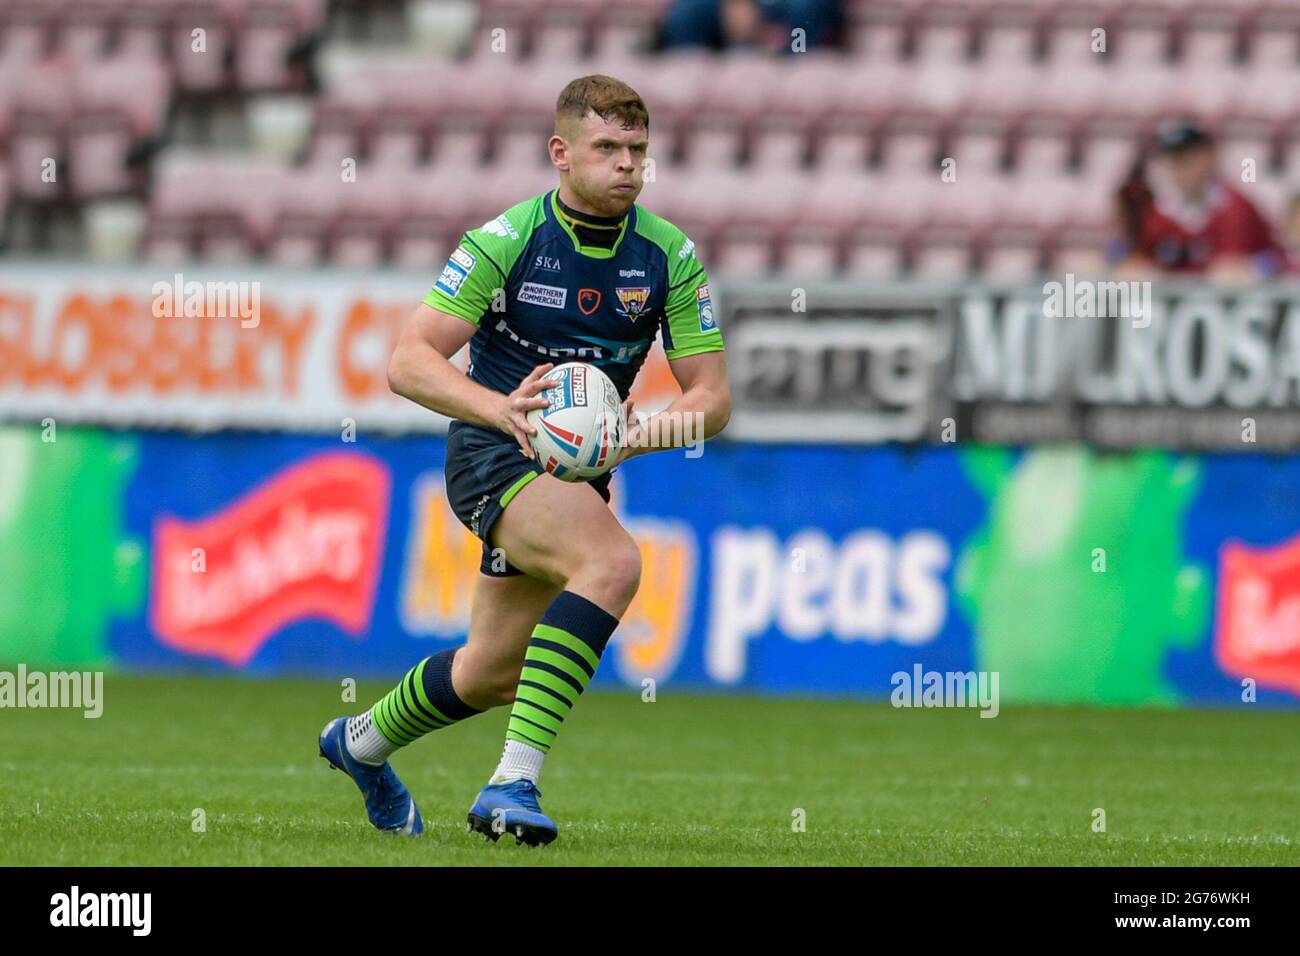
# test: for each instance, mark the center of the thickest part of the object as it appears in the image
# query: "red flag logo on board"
(1257, 633)
(307, 543)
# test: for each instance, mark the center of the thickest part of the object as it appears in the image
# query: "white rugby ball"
(581, 432)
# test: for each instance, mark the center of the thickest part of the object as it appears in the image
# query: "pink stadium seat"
(743, 253)
(1274, 35)
(305, 211)
(943, 254)
(1010, 33)
(27, 31)
(1107, 156)
(877, 31)
(1070, 33)
(978, 150)
(199, 41)
(840, 148)
(1210, 37)
(86, 26)
(780, 143)
(119, 103)
(1014, 258)
(910, 145)
(1145, 35)
(142, 28)
(43, 105)
(945, 33)
(623, 28)
(560, 35)
(1044, 150)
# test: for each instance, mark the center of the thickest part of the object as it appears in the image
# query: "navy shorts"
(483, 471)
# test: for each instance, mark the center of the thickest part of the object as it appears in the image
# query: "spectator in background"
(759, 24)
(1181, 217)
(1291, 235)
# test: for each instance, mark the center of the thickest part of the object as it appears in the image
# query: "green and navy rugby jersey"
(537, 294)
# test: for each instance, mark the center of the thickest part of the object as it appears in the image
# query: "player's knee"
(615, 570)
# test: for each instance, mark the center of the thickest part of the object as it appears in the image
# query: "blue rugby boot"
(511, 808)
(388, 803)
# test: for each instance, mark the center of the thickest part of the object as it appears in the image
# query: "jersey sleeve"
(689, 326)
(478, 267)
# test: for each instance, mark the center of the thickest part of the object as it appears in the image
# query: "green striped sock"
(561, 660)
(423, 701)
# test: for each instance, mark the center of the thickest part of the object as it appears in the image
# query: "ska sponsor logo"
(549, 263)
(588, 300)
(633, 299)
(704, 306)
(455, 272)
(552, 297)
(500, 226)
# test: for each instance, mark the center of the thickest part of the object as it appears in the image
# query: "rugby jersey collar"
(591, 252)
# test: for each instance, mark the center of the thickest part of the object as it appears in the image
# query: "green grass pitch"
(689, 779)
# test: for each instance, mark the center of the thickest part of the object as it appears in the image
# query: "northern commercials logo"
(74, 908)
(549, 296)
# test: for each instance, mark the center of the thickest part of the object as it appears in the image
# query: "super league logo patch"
(588, 300)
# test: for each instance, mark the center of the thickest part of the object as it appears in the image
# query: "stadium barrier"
(1148, 576)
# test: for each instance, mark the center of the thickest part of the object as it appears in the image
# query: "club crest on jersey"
(588, 300)
(633, 300)
(704, 306)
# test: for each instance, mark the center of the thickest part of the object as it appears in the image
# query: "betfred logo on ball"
(581, 431)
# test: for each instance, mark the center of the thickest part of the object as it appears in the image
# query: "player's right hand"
(512, 418)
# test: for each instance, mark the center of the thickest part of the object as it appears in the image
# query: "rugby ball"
(581, 431)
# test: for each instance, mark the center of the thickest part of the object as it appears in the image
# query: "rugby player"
(578, 273)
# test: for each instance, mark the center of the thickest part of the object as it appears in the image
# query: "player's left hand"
(633, 434)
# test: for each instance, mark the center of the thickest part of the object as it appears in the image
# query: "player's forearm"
(697, 415)
(421, 373)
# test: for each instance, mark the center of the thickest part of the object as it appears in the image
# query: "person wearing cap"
(1192, 220)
